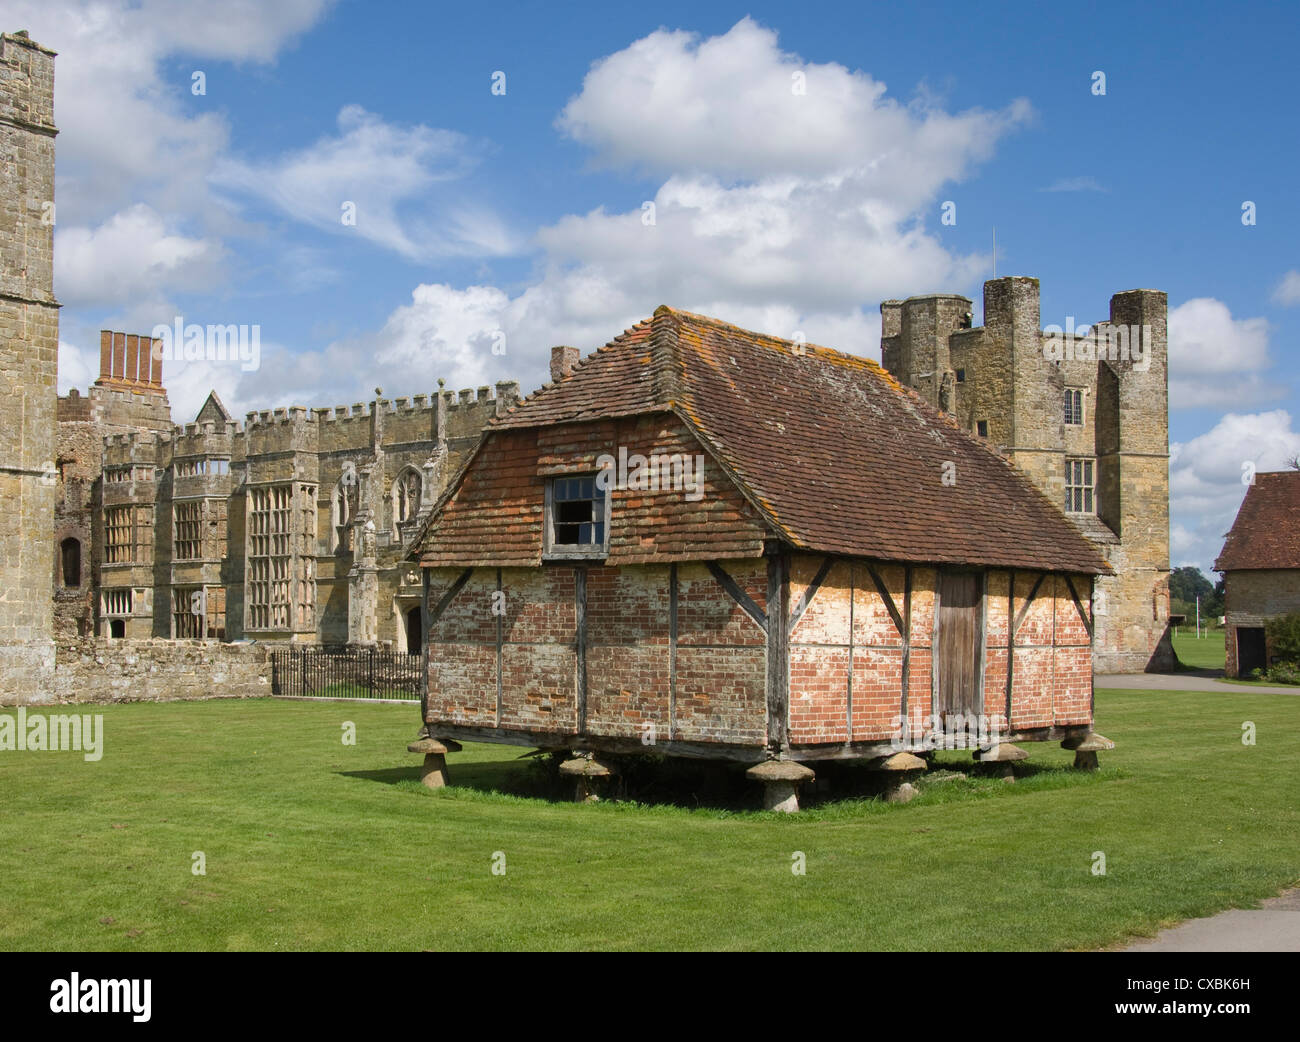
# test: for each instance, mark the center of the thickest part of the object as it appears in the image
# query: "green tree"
(1187, 583)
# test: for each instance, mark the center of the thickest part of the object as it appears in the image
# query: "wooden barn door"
(960, 658)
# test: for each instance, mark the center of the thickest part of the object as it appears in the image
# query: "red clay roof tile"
(829, 447)
(1266, 533)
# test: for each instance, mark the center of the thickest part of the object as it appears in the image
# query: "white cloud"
(1205, 478)
(77, 367)
(128, 258)
(128, 136)
(1288, 290)
(1074, 184)
(783, 212)
(728, 105)
(1217, 360)
(389, 174)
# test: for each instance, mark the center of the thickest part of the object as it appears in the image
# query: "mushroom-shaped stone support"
(898, 769)
(781, 780)
(433, 773)
(591, 775)
(1001, 757)
(1086, 749)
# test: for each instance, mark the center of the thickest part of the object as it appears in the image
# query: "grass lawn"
(1205, 652)
(313, 844)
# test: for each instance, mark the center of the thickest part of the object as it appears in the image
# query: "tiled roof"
(833, 452)
(1266, 533)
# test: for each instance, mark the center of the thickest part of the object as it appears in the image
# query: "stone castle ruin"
(1085, 416)
(294, 525)
(289, 526)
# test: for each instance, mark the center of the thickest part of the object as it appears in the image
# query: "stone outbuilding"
(705, 542)
(1260, 563)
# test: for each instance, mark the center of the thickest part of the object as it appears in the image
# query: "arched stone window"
(70, 561)
(406, 496)
(343, 509)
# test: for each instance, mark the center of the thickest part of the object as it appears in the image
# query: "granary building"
(732, 546)
(1260, 563)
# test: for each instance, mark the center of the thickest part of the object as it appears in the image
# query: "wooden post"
(580, 594)
(424, 646)
(672, 651)
(906, 678)
(501, 624)
(778, 660)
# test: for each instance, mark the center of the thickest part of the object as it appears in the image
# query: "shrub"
(1283, 635)
(1283, 673)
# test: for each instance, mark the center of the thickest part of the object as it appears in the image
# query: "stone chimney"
(563, 359)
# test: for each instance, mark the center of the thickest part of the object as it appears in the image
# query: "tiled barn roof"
(833, 452)
(1266, 533)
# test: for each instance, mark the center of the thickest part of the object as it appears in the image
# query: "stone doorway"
(1251, 650)
(414, 631)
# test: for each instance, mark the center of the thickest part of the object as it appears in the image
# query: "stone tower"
(1085, 417)
(29, 343)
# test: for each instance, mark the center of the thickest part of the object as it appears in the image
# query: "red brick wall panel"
(1070, 628)
(1072, 692)
(468, 618)
(462, 684)
(706, 614)
(539, 685)
(1031, 703)
(995, 682)
(923, 581)
(919, 687)
(1036, 628)
(826, 619)
(540, 605)
(872, 624)
(877, 689)
(819, 687)
(628, 688)
(628, 606)
(721, 695)
(995, 616)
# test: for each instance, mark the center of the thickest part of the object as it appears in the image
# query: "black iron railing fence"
(327, 672)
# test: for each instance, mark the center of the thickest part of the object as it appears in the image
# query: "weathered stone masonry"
(29, 340)
(998, 382)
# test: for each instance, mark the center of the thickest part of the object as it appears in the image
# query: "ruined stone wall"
(76, 500)
(363, 450)
(98, 670)
(29, 339)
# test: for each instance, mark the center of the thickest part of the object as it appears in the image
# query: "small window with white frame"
(577, 517)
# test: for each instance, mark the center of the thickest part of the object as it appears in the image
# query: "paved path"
(1273, 927)
(1199, 680)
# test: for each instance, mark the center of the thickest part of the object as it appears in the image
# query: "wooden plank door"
(960, 655)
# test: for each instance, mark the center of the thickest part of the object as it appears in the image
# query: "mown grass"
(1204, 652)
(310, 843)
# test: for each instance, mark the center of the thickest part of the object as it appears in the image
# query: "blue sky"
(522, 213)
